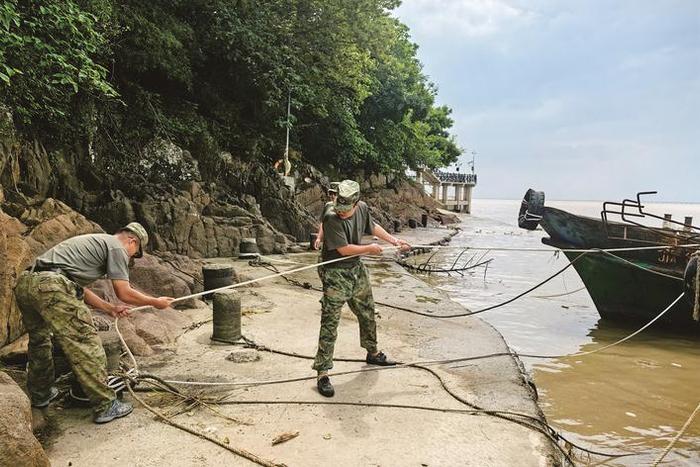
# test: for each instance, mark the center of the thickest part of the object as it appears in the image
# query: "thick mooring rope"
(316, 265)
(677, 437)
(168, 420)
(221, 289)
(254, 458)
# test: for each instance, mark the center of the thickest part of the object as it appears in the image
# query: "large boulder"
(36, 228)
(164, 161)
(274, 200)
(150, 330)
(18, 446)
(157, 277)
(195, 223)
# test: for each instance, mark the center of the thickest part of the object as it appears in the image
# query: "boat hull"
(622, 292)
(632, 293)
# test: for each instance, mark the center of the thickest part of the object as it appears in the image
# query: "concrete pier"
(452, 189)
(284, 317)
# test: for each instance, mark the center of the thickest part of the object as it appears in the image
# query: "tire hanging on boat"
(531, 209)
(691, 281)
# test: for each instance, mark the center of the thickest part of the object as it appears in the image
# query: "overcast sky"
(583, 99)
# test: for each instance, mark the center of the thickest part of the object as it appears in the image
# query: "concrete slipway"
(285, 317)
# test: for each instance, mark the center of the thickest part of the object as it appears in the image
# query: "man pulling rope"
(348, 280)
(52, 300)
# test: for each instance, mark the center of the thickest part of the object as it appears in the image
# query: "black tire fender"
(531, 210)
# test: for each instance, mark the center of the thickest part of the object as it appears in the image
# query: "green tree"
(50, 54)
(214, 75)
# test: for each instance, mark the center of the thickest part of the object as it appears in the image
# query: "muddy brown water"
(635, 396)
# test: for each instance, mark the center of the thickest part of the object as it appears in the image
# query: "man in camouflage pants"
(348, 280)
(52, 300)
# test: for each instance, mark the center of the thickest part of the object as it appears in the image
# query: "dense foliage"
(215, 75)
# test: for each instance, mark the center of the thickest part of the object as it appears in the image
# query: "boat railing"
(632, 209)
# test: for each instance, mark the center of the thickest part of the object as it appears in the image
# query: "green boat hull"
(632, 293)
(622, 292)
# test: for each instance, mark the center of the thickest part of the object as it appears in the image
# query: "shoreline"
(281, 316)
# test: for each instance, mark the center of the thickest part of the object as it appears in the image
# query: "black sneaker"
(379, 359)
(53, 394)
(325, 387)
(118, 409)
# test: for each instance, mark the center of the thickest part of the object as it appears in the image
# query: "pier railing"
(456, 177)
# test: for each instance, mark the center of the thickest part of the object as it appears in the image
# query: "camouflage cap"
(334, 187)
(348, 195)
(138, 230)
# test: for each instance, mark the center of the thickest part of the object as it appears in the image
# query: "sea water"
(637, 395)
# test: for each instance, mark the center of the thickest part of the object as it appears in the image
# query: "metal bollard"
(217, 275)
(688, 224)
(226, 317)
(248, 249)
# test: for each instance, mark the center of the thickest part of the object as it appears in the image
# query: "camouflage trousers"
(49, 305)
(341, 285)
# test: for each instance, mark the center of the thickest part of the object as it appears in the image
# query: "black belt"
(37, 268)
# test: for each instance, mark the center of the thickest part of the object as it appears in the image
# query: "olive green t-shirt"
(86, 258)
(339, 232)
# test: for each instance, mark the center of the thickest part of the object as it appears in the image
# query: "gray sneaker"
(118, 409)
(53, 394)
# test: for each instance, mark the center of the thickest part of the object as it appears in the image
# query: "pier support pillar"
(468, 199)
(458, 197)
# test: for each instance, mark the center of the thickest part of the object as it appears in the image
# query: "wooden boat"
(630, 286)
